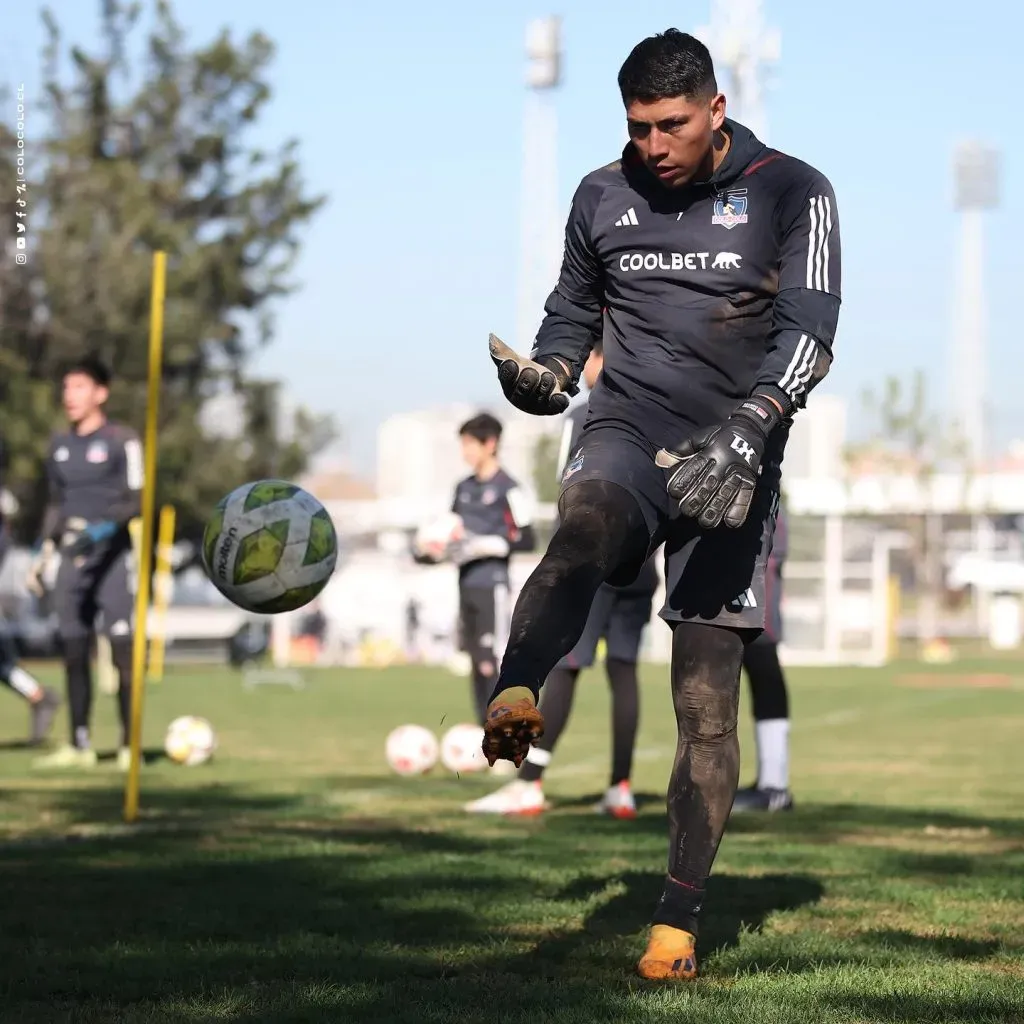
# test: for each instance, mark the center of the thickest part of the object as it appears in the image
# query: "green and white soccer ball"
(270, 547)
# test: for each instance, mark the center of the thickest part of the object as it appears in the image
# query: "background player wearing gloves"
(618, 616)
(41, 699)
(496, 520)
(769, 696)
(94, 473)
(712, 265)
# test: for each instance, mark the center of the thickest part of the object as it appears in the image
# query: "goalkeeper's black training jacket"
(701, 293)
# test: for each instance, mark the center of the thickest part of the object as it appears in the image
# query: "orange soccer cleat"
(670, 955)
(513, 723)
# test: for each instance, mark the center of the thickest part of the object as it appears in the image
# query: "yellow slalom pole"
(161, 593)
(156, 344)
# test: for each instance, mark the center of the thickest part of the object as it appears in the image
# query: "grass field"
(294, 879)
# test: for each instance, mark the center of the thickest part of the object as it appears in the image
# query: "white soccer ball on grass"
(411, 750)
(461, 749)
(190, 741)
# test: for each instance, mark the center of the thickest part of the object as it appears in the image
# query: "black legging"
(706, 662)
(482, 679)
(556, 706)
(79, 686)
(603, 537)
(769, 697)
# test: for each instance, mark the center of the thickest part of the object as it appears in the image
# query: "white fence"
(835, 602)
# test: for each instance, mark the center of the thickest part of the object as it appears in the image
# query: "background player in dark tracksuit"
(768, 694)
(95, 473)
(619, 616)
(712, 262)
(41, 699)
(497, 520)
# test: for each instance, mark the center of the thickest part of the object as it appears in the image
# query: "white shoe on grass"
(618, 801)
(516, 798)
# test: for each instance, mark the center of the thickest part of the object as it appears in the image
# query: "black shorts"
(715, 576)
(617, 617)
(484, 615)
(99, 585)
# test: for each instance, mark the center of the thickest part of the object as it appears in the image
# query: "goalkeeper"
(716, 260)
(94, 472)
(497, 520)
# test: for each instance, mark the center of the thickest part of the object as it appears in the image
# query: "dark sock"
(79, 688)
(680, 905)
(625, 716)
(121, 656)
(555, 706)
(706, 662)
(602, 533)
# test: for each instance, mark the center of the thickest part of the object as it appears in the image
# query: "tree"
(907, 438)
(904, 433)
(136, 156)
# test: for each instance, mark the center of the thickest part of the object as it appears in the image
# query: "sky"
(409, 118)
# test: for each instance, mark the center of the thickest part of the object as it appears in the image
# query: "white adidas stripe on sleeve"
(817, 243)
(801, 366)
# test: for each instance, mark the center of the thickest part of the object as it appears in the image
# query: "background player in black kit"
(94, 472)
(710, 263)
(497, 520)
(618, 616)
(42, 701)
(769, 696)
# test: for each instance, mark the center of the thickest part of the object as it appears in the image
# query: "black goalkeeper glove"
(715, 470)
(541, 387)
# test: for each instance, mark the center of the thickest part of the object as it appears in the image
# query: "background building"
(419, 459)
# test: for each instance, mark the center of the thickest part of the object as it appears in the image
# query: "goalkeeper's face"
(675, 136)
(82, 397)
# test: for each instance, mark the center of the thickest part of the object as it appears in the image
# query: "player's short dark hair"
(482, 427)
(665, 66)
(92, 367)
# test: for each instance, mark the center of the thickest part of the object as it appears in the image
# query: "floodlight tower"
(741, 43)
(976, 176)
(540, 225)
